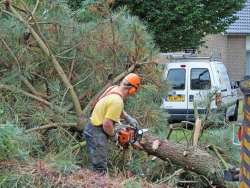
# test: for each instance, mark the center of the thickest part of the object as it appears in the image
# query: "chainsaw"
(127, 134)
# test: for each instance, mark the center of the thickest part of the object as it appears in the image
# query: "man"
(107, 111)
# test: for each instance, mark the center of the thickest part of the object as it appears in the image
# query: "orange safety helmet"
(134, 80)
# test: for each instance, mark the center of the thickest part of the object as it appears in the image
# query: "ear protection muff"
(132, 90)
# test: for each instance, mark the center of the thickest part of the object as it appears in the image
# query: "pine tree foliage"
(91, 52)
(93, 45)
(15, 145)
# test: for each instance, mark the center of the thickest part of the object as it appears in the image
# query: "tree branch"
(34, 10)
(11, 53)
(51, 125)
(72, 67)
(22, 78)
(54, 61)
(13, 89)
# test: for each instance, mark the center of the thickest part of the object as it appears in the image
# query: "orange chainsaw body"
(126, 136)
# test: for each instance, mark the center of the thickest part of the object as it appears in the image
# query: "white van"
(192, 79)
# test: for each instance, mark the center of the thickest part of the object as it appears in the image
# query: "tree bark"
(192, 159)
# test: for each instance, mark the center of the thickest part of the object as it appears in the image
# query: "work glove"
(114, 138)
(132, 121)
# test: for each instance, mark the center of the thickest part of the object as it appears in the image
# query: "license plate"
(176, 98)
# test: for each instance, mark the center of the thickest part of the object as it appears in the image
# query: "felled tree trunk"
(192, 159)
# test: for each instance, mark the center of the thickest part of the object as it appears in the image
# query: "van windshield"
(200, 79)
(176, 77)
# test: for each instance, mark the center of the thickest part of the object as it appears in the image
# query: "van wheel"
(235, 116)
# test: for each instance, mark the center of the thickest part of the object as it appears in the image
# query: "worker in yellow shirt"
(106, 112)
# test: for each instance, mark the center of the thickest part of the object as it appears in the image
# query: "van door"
(199, 85)
(176, 100)
(227, 95)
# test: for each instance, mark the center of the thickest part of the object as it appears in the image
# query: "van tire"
(235, 116)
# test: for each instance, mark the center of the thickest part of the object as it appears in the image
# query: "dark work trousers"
(97, 147)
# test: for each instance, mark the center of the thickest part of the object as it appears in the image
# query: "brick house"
(233, 45)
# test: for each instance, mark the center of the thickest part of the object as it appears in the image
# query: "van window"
(176, 77)
(200, 78)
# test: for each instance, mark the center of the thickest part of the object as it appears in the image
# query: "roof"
(242, 24)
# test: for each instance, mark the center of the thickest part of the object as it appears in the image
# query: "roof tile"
(242, 25)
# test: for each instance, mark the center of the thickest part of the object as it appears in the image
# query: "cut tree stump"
(192, 158)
